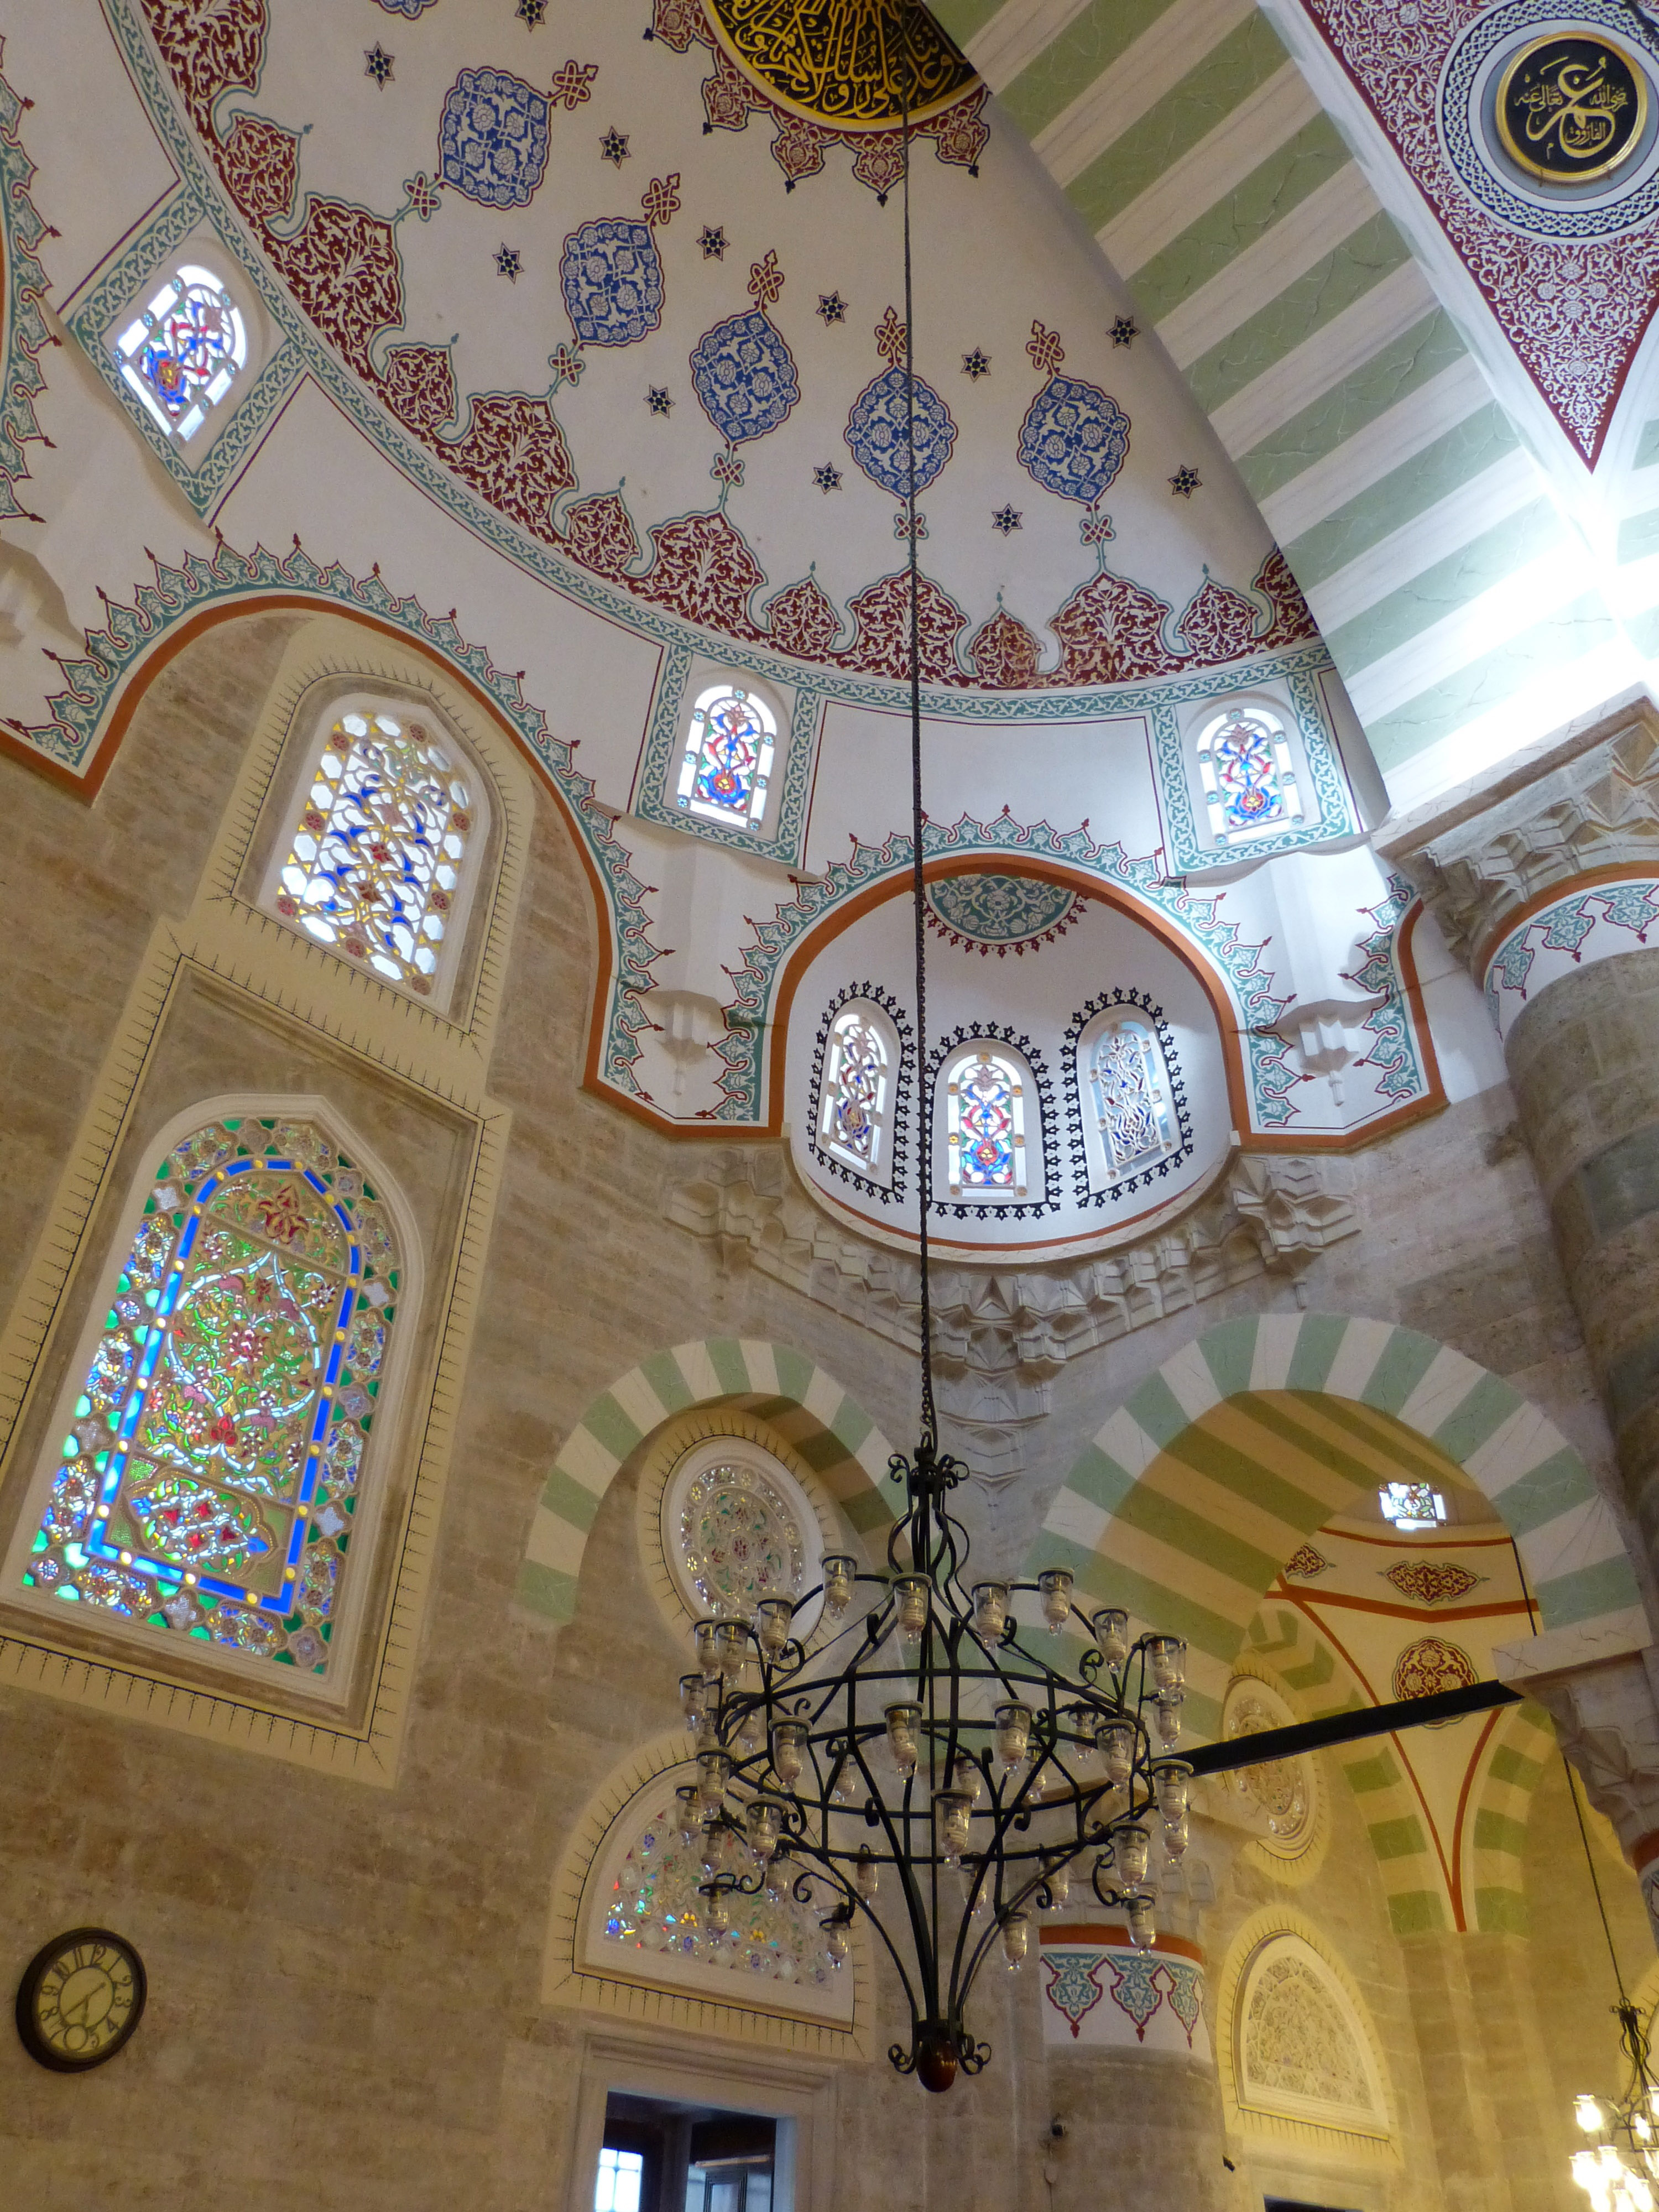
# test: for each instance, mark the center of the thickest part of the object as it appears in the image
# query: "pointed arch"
(808, 1408)
(1169, 1511)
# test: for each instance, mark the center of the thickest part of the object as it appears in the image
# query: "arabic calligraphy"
(1571, 109)
(843, 62)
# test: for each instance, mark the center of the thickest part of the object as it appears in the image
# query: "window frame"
(127, 341)
(684, 770)
(884, 1180)
(478, 860)
(1092, 1184)
(359, 1603)
(1293, 811)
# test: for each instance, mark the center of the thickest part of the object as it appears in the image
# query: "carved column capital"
(1580, 809)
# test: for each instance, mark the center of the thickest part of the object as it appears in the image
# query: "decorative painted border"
(665, 742)
(1336, 815)
(561, 573)
(1143, 1178)
(1206, 1584)
(1394, 1053)
(113, 294)
(998, 1033)
(803, 1402)
(1194, 914)
(26, 334)
(1573, 931)
(899, 1120)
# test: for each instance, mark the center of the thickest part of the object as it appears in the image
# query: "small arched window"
(860, 1067)
(1130, 1114)
(727, 764)
(378, 864)
(986, 1088)
(1248, 777)
(184, 349)
(207, 1479)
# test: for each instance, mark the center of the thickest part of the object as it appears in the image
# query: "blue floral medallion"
(409, 7)
(492, 141)
(612, 281)
(745, 375)
(1074, 440)
(877, 433)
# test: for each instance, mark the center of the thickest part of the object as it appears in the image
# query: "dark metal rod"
(1347, 1728)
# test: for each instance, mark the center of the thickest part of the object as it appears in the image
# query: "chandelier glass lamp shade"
(1618, 2166)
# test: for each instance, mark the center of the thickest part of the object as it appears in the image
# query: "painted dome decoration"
(611, 277)
(745, 377)
(876, 432)
(1074, 439)
(1000, 914)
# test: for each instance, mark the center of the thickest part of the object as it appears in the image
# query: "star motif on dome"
(657, 400)
(508, 263)
(827, 477)
(976, 364)
(613, 147)
(832, 308)
(1125, 331)
(712, 238)
(377, 65)
(573, 84)
(1006, 519)
(1185, 482)
(531, 12)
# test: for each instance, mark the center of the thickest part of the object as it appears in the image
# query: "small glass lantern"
(1054, 1586)
(1143, 1925)
(774, 1618)
(953, 1812)
(910, 1596)
(840, 1571)
(1167, 1658)
(903, 1722)
(789, 1741)
(1131, 1850)
(713, 1769)
(1016, 1940)
(1117, 1751)
(731, 1647)
(1013, 1733)
(990, 1611)
(1111, 1628)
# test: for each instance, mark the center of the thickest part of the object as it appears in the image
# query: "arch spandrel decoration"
(1284, 1798)
(1171, 1512)
(812, 1413)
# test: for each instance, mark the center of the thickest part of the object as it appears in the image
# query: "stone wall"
(343, 2007)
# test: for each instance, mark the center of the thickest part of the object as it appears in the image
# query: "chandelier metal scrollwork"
(917, 1765)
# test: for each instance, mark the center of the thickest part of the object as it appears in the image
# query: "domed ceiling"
(631, 274)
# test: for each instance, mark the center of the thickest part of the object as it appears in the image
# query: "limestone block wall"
(345, 1979)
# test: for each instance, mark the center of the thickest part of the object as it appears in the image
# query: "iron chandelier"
(911, 1761)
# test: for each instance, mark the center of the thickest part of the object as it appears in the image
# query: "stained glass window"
(655, 1909)
(208, 1485)
(375, 864)
(728, 757)
(184, 350)
(985, 1124)
(737, 1527)
(1412, 1504)
(1129, 1098)
(858, 1080)
(1249, 780)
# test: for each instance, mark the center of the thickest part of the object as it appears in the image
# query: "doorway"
(661, 2155)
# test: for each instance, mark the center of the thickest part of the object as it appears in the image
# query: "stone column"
(1548, 882)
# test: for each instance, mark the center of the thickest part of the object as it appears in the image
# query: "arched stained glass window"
(207, 1485)
(655, 1912)
(1129, 1098)
(859, 1071)
(985, 1090)
(184, 349)
(1249, 780)
(728, 757)
(375, 865)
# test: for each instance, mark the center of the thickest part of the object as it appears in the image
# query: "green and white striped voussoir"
(1524, 1745)
(1200, 1569)
(806, 1405)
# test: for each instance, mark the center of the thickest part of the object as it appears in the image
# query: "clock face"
(79, 1998)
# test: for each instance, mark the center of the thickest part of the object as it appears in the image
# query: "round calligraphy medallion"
(1571, 107)
(846, 63)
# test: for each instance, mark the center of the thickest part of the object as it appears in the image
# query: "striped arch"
(1314, 1678)
(1177, 1511)
(805, 1404)
(1522, 1745)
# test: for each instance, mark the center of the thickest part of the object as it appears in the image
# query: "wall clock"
(80, 1999)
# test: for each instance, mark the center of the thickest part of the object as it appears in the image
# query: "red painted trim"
(1114, 1935)
(1624, 872)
